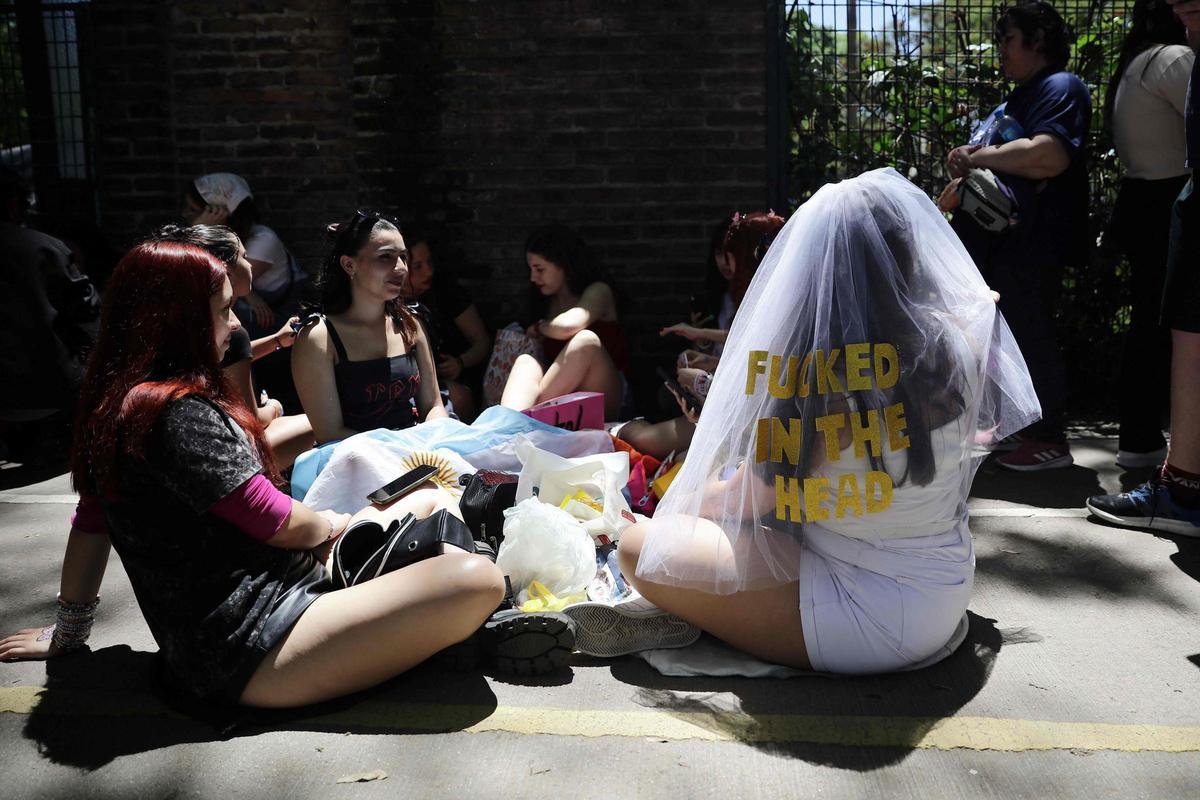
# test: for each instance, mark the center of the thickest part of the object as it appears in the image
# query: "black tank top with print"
(378, 392)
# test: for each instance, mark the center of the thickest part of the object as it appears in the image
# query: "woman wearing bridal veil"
(820, 519)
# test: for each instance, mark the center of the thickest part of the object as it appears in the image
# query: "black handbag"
(485, 495)
(367, 549)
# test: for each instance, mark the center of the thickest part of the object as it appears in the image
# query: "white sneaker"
(634, 605)
(1129, 459)
(630, 626)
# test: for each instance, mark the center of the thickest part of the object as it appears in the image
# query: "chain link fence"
(875, 83)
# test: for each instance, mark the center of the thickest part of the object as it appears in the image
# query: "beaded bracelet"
(74, 623)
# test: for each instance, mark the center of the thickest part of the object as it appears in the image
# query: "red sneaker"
(1033, 455)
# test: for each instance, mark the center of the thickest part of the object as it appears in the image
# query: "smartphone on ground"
(402, 485)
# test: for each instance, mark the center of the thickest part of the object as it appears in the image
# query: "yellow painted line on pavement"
(949, 733)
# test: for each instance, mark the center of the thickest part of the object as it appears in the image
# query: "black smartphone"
(305, 320)
(402, 485)
(676, 389)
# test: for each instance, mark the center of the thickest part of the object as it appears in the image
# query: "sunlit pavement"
(1080, 678)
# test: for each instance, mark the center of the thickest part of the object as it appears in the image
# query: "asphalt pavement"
(1080, 677)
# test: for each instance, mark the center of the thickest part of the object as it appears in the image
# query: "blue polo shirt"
(1053, 213)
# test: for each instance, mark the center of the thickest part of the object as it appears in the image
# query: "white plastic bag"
(548, 545)
(553, 479)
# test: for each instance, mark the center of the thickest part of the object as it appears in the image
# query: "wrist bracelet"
(74, 624)
(278, 346)
(703, 381)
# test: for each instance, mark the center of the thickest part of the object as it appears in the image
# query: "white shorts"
(884, 606)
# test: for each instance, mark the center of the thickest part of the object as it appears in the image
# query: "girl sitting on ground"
(367, 363)
(287, 436)
(460, 341)
(583, 346)
(743, 247)
(223, 198)
(173, 469)
(820, 521)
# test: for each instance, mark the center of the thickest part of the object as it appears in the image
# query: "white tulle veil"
(868, 309)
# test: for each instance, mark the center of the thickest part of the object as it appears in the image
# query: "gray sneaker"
(606, 631)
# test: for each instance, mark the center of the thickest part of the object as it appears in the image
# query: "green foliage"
(14, 119)
(914, 96)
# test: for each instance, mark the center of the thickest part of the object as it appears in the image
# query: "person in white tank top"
(1144, 107)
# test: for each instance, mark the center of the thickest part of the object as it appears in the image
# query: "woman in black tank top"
(367, 363)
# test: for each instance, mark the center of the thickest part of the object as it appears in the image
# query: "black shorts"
(287, 609)
(1181, 291)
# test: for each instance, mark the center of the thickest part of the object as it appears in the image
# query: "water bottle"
(1003, 129)
(996, 128)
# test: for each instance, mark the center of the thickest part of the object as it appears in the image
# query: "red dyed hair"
(746, 242)
(155, 347)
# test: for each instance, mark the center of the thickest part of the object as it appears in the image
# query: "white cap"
(223, 189)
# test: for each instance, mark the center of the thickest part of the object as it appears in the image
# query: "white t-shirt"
(914, 510)
(263, 244)
(1148, 127)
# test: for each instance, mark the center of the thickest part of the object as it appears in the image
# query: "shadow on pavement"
(34, 451)
(1060, 488)
(893, 708)
(1187, 559)
(1060, 566)
(20, 476)
(99, 706)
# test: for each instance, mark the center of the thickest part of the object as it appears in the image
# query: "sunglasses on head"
(362, 217)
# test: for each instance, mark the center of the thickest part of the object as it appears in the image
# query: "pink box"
(574, 412)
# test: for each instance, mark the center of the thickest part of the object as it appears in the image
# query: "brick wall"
(262, 90)
(639, 123)
(257, 88)
(131, 101)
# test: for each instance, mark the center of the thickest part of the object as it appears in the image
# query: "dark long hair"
(746, 242)
(347, 238)
(926, 388)
(1032, 16)
(1153, 22)
(715, 285)
(567, 250)
(155, 347)
(219, 240)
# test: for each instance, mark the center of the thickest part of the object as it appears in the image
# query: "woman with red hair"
(174, 469)
(746, 242)
(744, 246)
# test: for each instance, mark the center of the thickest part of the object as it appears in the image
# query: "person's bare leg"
(583, 366)
(523, 384)
(658, 439)
(289, 437)
(1185, 410)
(354, 638)
(764, 623)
